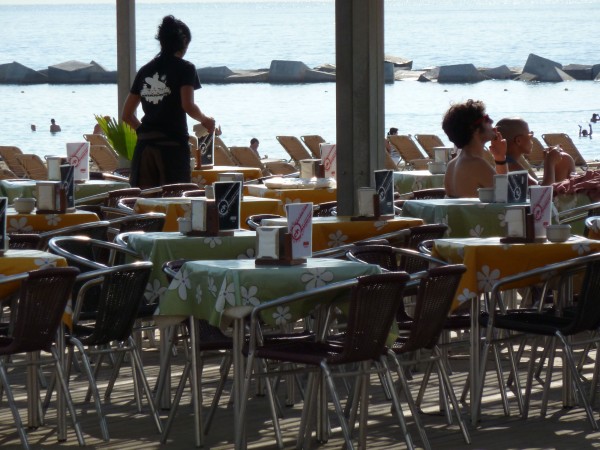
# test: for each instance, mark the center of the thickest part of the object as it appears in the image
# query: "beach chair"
(294, 148)
(7, 174)
(104, 158)
(428, 142)
(313, 142)
(9, 156)
(536, 157)
(33, 166)
(223, 157)
(97, 139)
(568, 146)
(410, 153)
(247, 158)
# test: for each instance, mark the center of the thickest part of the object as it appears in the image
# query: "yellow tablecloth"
(175, 207)
(18, 261)
(292, 195)
(31, 223)
(488, 260)
(329, 232)
(205, 177)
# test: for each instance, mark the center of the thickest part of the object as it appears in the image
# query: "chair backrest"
(313, 142)
(253, 221)
(420, 233)
(127, 204)
(280, 167)
(428, 142)
(177, 189)
(373, 305)
(9, 156)
(105, 158)
(136, 222)
(536, 157)
(194, 193)
(42, 300)
(33, 166)
(170, 268)
(94, 230)
(294, 148)
(325, 209)
(113, 197)
(382, 255)
(431, 193)
(567, 144)
(98, 139)
(121, 294)
(24, 241)
(390, 164)
(7, 174)
(407, 148)
(587, 313)
(434, 299)
(223, 156)
(246, 157)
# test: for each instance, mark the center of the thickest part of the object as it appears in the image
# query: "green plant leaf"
(120, 135)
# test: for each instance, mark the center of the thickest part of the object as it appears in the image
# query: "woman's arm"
(192, 110)
(128, 113)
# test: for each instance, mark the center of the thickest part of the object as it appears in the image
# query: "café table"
(408, 181)
(209, 175)
(334, 231)
(469, 217)
(26, 188)
(225, 291)
(175, 207)
(161, 247)
(489, 260)
(318, 195)
(33, 222)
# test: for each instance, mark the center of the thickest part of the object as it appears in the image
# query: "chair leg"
(338, 406)
(596, 375)
(529, 382)
(13, 408)
(551, 354)
(140, 368)
(224, 372)
(175, 405)
(397, 407)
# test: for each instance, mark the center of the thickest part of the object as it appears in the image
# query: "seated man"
(558, 165)
(469, 128)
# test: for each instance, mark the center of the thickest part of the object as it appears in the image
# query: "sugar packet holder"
(274, 247)
(205, 219)
(51, 197)
(519, 226)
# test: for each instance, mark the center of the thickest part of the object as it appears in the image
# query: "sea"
(248, 34)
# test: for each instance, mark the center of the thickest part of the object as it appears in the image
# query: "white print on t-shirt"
(156, 89)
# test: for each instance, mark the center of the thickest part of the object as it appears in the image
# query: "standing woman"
(165, 87)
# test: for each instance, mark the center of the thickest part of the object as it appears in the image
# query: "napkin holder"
(442, 154)
(205, 218)
(369, 206)
(520, 226)
(500, 188)
(3, 236)
(51, 197)
(206, 150)
(311, 168)
(233, 176)
(53, 163)
(274, 247)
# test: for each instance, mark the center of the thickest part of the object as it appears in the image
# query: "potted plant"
(120, 135)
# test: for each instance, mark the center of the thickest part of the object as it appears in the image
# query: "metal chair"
(177, 189)
(435, 294)
(253, 221)
(373, 303)
(41, 303)
(121, 293)
(325, 209)
(147, 222)
(95, 230)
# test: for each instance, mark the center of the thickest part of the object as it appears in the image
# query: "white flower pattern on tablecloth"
(476, 231)
(53, 219)
(199, 294)
(187, 209)
(282, 315)
(502, 219)
(486, 278)
(154, 290)
(226, 295)
(181, 283)
(44, 263)
(379, 224)
(417, 184)
(19, 225)
(212, 242)
(317, 277)
(249, 254)
(212, 287)
(200, 181)
(444, 220)
(581, 248)
(249, 295)
(465, 295)
(336, 239)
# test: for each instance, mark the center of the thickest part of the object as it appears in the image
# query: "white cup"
(192, 163)
(486, 195)
(185, 225)
(24, 205)
(558, 233)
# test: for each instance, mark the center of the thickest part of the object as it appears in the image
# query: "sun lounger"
(9, 155)
(313, 142)
(105, 159)
(33, 166)
(247, 158)
(409, 152)
(566, 143)
(536, 157)
(294, 148)
(97, 139)
(223, 156)
(7, 174)
(428, 142)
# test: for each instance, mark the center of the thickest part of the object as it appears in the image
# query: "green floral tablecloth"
(26, 188)
(415, 180)
(161, 247)
(205, 289)
(468, 217)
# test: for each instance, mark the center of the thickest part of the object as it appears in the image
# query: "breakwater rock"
(536, 68)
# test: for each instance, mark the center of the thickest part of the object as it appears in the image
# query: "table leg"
(196, 389)
(33, 394)
(474, 360)
(61, 407)
(238, 381)
(164, 376)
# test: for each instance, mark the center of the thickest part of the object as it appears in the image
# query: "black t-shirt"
(159, 83)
